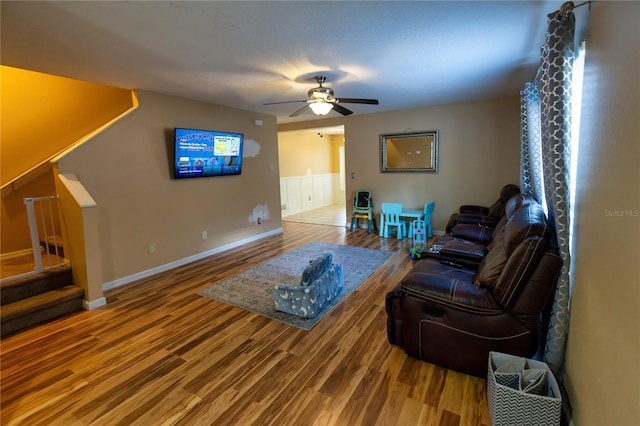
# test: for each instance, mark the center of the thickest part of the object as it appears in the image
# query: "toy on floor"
(416, 251)
(419, 239)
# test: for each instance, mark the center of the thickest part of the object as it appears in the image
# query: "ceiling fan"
(321, 100)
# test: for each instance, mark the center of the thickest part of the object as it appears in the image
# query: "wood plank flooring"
(334, 214)
(159, 354)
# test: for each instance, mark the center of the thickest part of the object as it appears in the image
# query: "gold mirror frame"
(409, 152)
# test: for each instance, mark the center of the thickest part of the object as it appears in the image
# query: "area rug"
(252, 290)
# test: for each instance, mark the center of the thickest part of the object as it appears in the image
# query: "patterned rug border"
(251, 290)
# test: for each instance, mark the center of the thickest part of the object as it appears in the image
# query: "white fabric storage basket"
(509, 405)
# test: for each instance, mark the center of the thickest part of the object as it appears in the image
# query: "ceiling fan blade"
(341, 110)
(357, 101)
(298, 112)
(284, 102)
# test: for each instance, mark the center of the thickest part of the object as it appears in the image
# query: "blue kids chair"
(391, 215)
(428, 210)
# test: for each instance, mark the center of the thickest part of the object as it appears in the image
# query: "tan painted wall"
(303, 152)
(42, 115)
(479, 153)
(603, 353)
(127, 171)
(336, 142)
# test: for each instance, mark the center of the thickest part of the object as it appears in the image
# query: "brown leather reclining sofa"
(485, 216)
(454, 316)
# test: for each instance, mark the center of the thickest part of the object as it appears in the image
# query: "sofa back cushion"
(316, 268)
(517, 201)
(514, 228)
(538, 289)
(496, 209)
(518, 269)
(509, 191)
(498, 232)
(528, 220)
(492, 265)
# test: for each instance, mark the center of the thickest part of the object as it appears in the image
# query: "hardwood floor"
(159, 354)
(334, 214)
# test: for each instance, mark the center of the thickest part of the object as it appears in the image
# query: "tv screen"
(200, 153)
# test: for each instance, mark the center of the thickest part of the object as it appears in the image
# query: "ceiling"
(244, 54)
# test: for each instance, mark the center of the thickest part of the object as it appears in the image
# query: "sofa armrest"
(469, 232)
(457, 293)
(394, 316)
(473, 209)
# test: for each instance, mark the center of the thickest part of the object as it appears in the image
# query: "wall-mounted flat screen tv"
(201, 153)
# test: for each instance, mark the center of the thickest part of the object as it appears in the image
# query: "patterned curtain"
(526, 183)
(531, 154)
(555, 114)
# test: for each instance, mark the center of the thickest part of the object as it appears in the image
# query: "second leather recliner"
(485, 216)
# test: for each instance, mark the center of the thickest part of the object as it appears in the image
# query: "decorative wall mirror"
(409, 152)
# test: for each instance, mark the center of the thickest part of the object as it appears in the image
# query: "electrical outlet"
(204, 235)
(152, 248)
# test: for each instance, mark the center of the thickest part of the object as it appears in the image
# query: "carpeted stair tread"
(41, 302)
(54, 244)
(21, 288)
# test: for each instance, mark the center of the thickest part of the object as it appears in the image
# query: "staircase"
(37, 298)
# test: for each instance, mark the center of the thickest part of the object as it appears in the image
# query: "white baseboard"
(94, 304)
(438, 233)
(17, 253)
(171, 265)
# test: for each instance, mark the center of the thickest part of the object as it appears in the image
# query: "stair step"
(39, 308)
(22, 288)
(54, 245)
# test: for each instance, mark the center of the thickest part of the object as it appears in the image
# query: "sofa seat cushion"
(429, 280)
(467, 250)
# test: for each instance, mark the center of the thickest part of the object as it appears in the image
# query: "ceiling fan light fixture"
(321, 108)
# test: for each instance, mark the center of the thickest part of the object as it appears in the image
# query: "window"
(576, 106)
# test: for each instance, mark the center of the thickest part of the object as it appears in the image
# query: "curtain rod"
(567, 8)
(562, 14)
(582, 4)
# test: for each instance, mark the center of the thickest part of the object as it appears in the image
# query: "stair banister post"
(33, 231)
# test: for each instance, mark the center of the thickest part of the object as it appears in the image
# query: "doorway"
(312, 175)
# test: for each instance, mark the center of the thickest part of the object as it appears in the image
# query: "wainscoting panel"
(302, 193)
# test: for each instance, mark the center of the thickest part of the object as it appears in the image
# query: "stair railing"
(40, 213)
